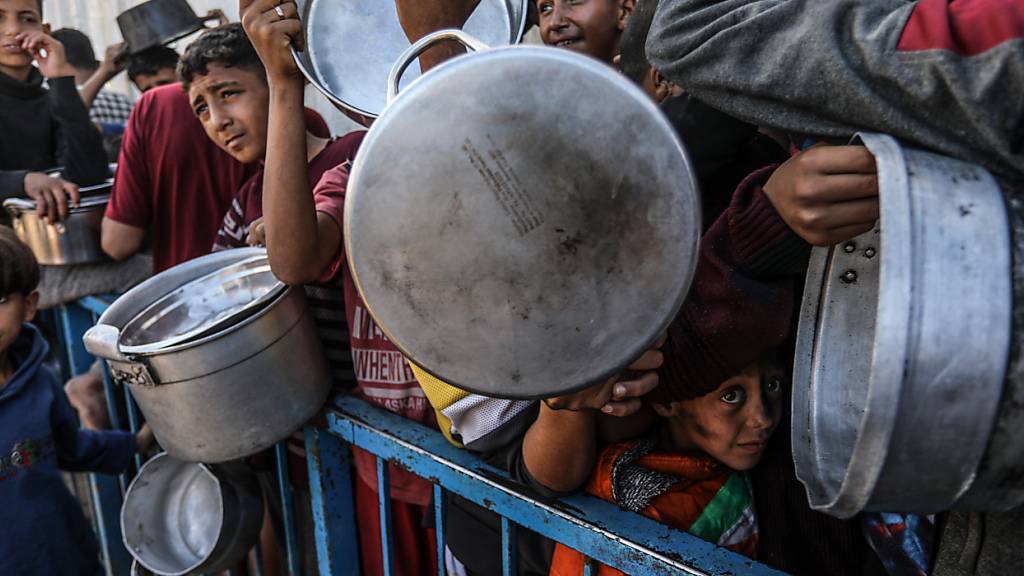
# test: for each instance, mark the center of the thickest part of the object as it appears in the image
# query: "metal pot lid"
(351, 45)
(202, 307)
(522, 256)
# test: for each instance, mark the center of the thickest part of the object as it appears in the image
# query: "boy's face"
(163, 77)
(15, 309)
(733, 423)
(232, 104)
(16, 17)
(591, 27)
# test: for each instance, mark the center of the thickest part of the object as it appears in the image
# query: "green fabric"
(728, 505)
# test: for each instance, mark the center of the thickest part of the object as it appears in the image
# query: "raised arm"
(301, 242)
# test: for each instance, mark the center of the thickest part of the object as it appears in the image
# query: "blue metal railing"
(603, 533)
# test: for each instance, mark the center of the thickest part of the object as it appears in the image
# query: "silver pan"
(351, 45)
(528, 245)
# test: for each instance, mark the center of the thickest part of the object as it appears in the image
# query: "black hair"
(77, 48)
(632, 53)
(150, 61)
(226, 45)
(19, 271)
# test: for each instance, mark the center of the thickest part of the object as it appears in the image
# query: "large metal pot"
(903, 342)
(158, 22)
(185, 518)
(509, 252)
(226, 393)
(76, 240)
(351, 45)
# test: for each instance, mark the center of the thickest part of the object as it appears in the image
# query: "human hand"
(48, 53)
(144, 439)
(219, 14)
(826, 194)
(87, 396)
(257, 233)
(619, 395)
(272, 26)
(114, 59)
(51, 195)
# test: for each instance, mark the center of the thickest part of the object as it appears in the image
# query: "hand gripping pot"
(903, 343)
(186, 518)
(76, 240)
(350, 46)
(528, 245)
(214, 386)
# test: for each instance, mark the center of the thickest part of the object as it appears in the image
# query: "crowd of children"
(220, 152)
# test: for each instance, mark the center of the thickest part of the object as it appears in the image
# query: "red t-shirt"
(247, 205)
(171, 179)
(383, 375)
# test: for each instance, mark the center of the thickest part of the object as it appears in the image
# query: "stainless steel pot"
(350, 46)
(184, 518)
(157, 22)
(510, 252)
(226, 394)
(76, 240)
(903, 342)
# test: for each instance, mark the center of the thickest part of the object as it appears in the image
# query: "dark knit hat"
(741, 302)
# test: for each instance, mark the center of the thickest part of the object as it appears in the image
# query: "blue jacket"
(42, 528)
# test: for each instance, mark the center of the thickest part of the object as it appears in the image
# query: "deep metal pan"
(76, 240)
(350, 47)
(528, 245)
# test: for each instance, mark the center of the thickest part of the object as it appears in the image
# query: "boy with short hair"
(44, 127)
(153, 67)
(591, 27)
(47, 532)
(304, 244)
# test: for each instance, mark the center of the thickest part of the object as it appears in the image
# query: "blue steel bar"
(287, 508)
(509, 548)
(598, 529)
(439, 526)
(331, 496)
(387, 542)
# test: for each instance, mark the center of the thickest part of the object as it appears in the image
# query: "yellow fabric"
(441, 396)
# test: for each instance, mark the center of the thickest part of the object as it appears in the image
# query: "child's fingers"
(843, 160)
(651, 360)
(71, 189)
(636, 387)
(623, 408)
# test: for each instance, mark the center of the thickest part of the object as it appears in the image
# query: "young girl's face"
(733, 423)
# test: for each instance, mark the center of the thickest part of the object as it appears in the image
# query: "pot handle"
(101, 340)
(421, 46)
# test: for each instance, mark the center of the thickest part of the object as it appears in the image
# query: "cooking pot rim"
(205, 469)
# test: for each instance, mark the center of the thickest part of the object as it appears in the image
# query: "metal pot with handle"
(186, 518)
(501, 245)
(221, 365)
(158, 22)
(350, 46)
(903, 343)
(76, 240)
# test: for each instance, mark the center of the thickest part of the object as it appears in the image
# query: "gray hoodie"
(925, 72)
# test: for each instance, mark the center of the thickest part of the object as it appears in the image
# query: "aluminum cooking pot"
(351, 45)
(158, 22)
(903, 342)
(226, 393)
(76, 240)
(515, 250)
(184, 518)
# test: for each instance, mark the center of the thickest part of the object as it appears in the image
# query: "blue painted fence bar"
(598, 529)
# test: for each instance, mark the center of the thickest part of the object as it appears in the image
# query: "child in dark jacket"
(46, 532)
(44, 127)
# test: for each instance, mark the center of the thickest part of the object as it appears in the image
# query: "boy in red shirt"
(303, 235)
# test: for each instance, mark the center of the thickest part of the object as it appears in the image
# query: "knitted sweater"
(833, 68)
(45, 128)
